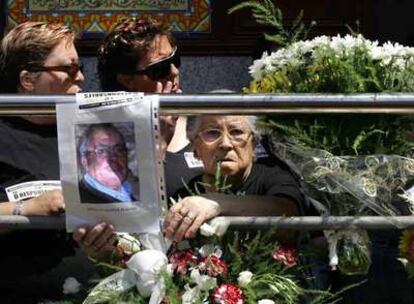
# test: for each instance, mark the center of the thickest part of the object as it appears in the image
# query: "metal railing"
(236, 103)
(243, 222)
(227, 104)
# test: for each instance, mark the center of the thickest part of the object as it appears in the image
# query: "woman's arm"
(185, 218)
(254, 205)
(49, 203)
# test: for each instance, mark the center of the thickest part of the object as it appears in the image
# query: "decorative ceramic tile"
(97, 17)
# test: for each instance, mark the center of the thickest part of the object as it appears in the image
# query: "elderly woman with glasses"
(263, 187)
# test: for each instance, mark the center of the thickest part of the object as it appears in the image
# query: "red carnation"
(286, 254)
(182, 260)
(227, 294)
(213, 265)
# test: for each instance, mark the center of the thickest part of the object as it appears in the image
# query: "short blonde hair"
(28, 44)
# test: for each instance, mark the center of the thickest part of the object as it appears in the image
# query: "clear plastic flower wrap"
(349, 251)
(351, 186)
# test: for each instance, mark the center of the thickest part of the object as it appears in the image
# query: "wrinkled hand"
(97, 241)
(185, 218)
(49, 203)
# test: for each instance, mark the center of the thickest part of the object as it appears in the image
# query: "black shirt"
(269, 176)
(177, 171)
(28, 153)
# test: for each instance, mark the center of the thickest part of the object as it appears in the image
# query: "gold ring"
(183, 214)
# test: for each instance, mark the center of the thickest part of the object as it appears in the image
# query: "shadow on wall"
(198, 74)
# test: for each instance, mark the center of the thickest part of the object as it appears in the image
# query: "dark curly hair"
(123, 48)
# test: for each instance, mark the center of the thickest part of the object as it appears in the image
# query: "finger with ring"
(190, 216)
(177, 217)
(183, 212)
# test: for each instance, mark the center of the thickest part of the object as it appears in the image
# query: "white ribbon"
(143, 272)
(147, 265)
(332, 237)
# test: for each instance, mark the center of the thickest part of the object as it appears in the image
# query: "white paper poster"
(110, 166)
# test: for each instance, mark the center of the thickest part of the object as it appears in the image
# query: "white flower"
(265, 301)
(207, 230)
(390, 55)
(244, 278)
(204, 282)
(190, 295)
(217, 226)
(128, 243)
(256, 68)
(71, 285)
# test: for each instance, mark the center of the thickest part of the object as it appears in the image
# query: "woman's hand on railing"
(48, 203)
(185, 218)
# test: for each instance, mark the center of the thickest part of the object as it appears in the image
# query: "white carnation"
(217, 226)
(244, 278)
(190, 295)
(204, 282)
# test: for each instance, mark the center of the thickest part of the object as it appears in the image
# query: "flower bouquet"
(329, 149)
(237, 268)
(349, 186)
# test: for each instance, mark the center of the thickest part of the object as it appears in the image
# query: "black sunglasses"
(71, 69)
(160, 69)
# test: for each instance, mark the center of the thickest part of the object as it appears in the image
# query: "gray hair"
(91, 130)
(193, 125)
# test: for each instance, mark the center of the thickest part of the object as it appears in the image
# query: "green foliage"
(345, 134)
(265, 12)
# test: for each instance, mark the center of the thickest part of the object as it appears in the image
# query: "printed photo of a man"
(104, 173)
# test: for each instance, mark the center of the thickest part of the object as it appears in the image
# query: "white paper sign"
(109, 163)
(191, 161)
(32, 189)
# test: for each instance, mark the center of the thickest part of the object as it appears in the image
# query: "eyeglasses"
(106, 151)
(236, 136)
(162, 68)
(72, 69)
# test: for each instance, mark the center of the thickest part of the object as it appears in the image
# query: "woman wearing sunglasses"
(35, 57)
(137, 55)
(38, 57)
